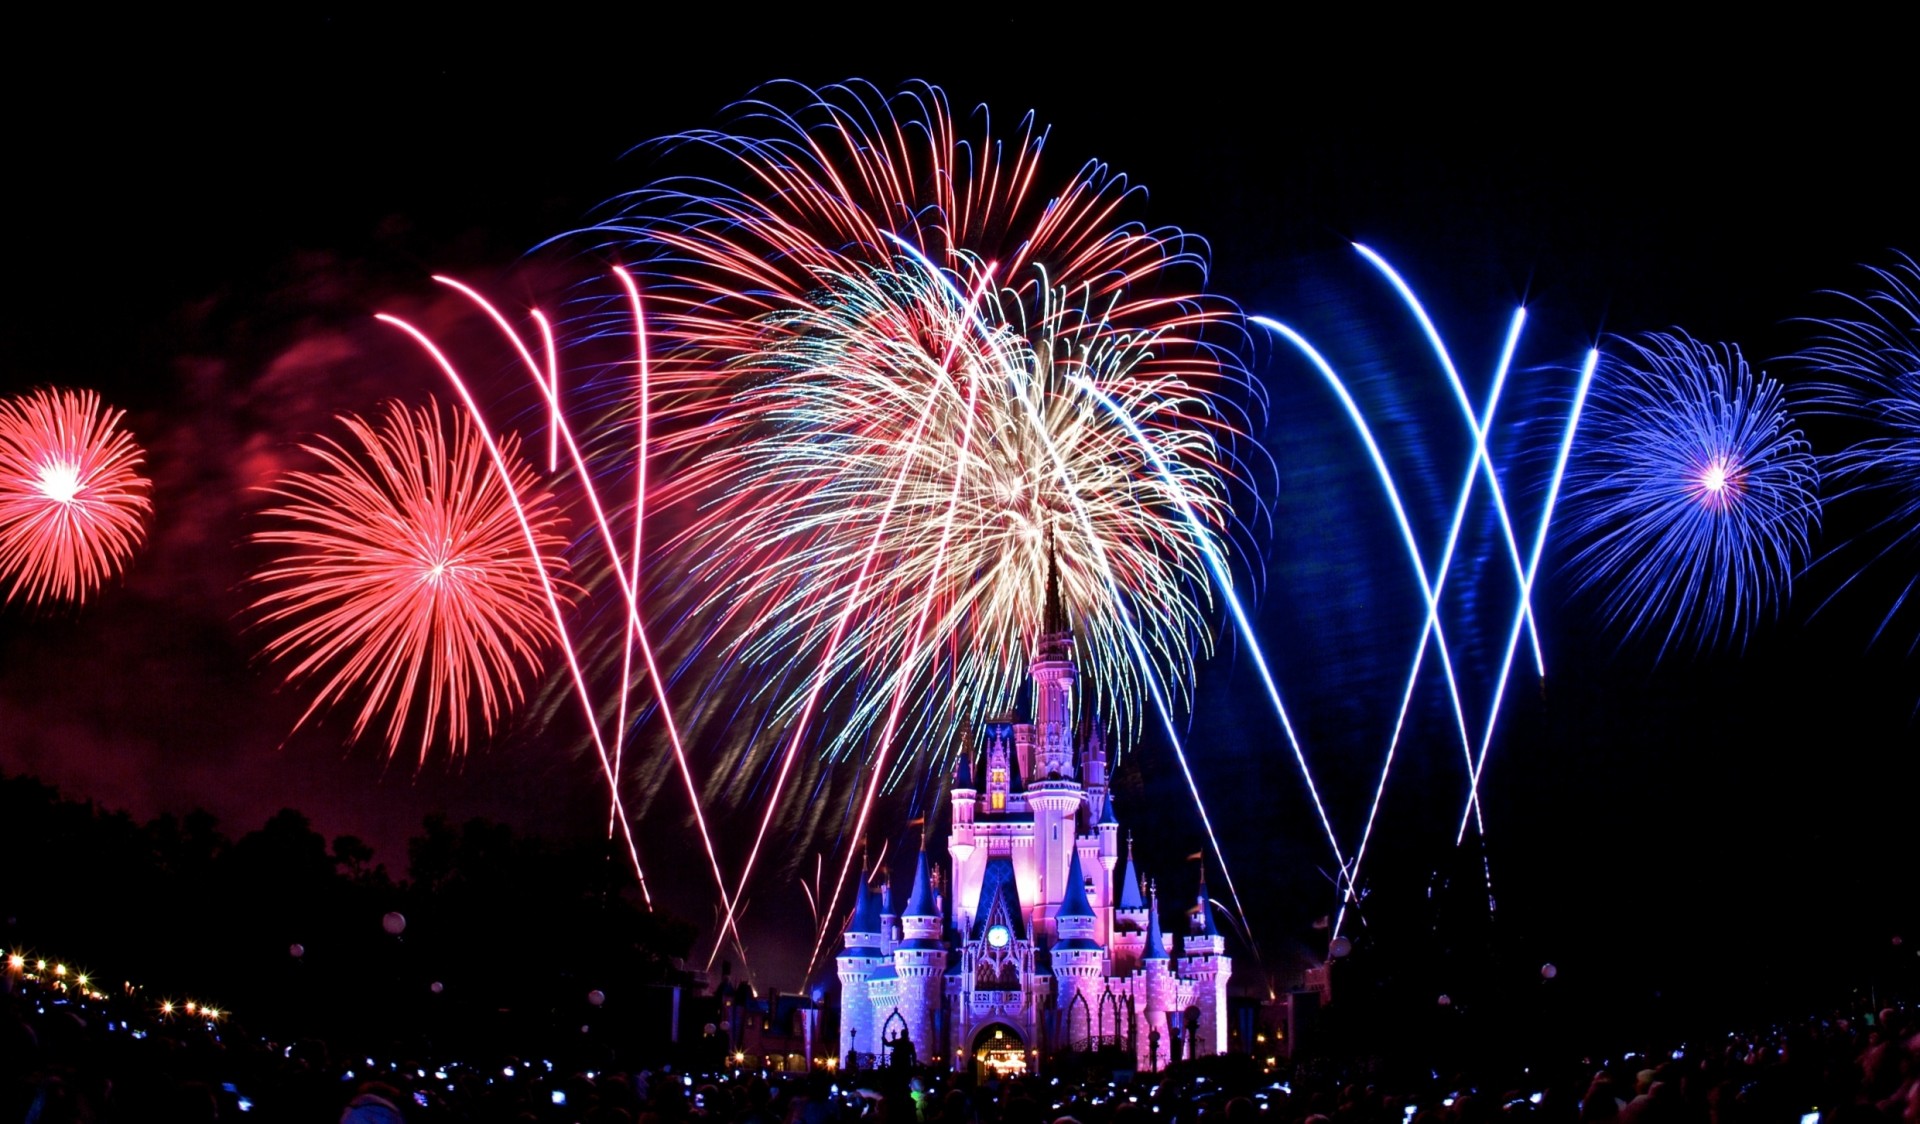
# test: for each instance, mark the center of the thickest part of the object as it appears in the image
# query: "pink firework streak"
(401, 576)
(72, 507)
(545, 377)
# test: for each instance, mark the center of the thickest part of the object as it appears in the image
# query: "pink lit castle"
(1045, 940)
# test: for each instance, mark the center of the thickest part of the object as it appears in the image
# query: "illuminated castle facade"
(1045, 939)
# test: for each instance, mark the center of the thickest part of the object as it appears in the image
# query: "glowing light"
(72, 505)
(1867, 365)
(1693, 499)
(401, 576)
(59, 481)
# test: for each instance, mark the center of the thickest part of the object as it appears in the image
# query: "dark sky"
(206, 216)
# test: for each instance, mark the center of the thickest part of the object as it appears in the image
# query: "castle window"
(988, 977)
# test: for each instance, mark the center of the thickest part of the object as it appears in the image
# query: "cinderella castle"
(1045, 939)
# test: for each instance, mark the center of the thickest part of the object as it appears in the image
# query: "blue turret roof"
(1156, 946)
(1074, 902)
(963, 772)
(1206, 907)
(1130, 884)
(1106, 812)
(866, 909)
(920, 897)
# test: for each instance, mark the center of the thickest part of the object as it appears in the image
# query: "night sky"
(205, 218)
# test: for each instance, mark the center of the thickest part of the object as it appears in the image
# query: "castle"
(1037, 947)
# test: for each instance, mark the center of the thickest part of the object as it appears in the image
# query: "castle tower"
(920, 960)
(1001, 769)
(1156, 972)
(1106, 830)
(1077, 960)
(1207, 965)
(960, 841)
(856, 967)
(1128, 939)
(889, 915)
(1093, 765)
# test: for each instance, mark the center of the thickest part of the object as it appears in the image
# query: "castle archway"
(1000, 1051)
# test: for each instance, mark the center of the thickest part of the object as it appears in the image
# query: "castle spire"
(1130, 882)
(1156, 944)
(866, 907)
(920, 898)
(1053, 620)
(1074, 903)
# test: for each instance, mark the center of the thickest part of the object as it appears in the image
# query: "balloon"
(596, 997)
(1340, 948)
(1446, 1000)
(1548, 971)
(436, 987)
(394, 924)
(296, 950)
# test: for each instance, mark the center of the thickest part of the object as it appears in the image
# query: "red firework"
(409, 574)
(72, 507)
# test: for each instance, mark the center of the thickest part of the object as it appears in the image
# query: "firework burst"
(402, 575)
(876, 342)
(892, 360)
(993, 450)
(1869, 363)
(72, 505)
(1693, 498)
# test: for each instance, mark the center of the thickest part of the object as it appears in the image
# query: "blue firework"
(1693, 497)
(1869, 374)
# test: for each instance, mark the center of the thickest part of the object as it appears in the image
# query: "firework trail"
(1433, 582)
(1532, 572)
(859, 471)
(1868, 360)
(546, 378)
(401, 575)
(72, 505)
(1693, 498)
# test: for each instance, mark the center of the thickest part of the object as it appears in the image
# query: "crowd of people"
(66, 1056)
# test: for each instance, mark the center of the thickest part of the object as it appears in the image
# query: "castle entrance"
(998, 1050)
